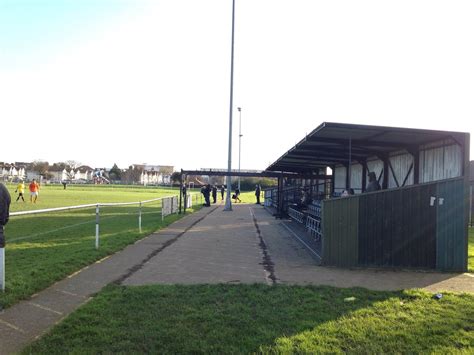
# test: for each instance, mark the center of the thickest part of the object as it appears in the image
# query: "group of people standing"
(208, 191)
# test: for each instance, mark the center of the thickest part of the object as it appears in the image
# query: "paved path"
(227, 247)
(294, 264)
(210, 246)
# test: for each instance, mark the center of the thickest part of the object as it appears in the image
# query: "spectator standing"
(214, 194)
(184, 191)
(257, 193)
(207, 195)
(237, 194)
(373, 183)
(34, 191)
(222, 192)
(21, 190)
(5, 200)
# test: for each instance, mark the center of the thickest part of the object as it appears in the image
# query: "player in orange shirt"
(34, 190)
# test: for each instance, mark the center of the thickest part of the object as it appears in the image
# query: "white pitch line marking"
(12, 326)
(45, 308)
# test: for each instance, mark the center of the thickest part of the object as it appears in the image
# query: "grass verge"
(258, 318)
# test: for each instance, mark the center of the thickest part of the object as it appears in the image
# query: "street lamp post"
(228, 202)
(240, 136)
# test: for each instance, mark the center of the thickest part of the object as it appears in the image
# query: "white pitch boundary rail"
(169, 205)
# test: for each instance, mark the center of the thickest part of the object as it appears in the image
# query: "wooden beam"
(265, 173)
(358, 142)
(348, 182)
(393, 172)
(385, 173)
(333, 179)
(408, 175)
(280, 198)
(364, 175)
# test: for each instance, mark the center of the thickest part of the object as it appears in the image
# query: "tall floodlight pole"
(228, 202)
(240, 136)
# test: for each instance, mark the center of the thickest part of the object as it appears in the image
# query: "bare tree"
(72, 164)
(41, 167)
(176, 177)
(132, 175)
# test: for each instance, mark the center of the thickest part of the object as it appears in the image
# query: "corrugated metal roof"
(329, 145)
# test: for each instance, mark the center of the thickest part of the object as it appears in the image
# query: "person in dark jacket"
(373, 183)
(222, 192)
(214, 194)
(5, 200)
(236, 195)
(207, 195)
(257, 193)
(184, 192)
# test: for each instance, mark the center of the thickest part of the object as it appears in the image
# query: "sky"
(148, 81)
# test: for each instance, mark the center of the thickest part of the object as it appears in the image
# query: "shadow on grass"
(258, 318)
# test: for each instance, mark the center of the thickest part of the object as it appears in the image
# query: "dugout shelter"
(419, 219)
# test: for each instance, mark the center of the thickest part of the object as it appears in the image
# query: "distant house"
(59, 173)
(12, 171)
(154, 174)
(30, 175)
(84, 172)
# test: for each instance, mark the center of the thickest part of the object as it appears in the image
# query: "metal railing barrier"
(169, 205)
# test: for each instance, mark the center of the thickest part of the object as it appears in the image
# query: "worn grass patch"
(223, 319)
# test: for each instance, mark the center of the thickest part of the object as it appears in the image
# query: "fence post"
(471, 203)
(162, 210)
(97, 226)
(2, 269)
(140, 217)
(2, 258)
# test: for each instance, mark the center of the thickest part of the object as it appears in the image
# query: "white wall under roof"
(440, 163)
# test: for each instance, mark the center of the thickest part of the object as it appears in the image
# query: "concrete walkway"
(210, 246)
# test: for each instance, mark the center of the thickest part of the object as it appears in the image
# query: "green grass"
(44, 248)
(221, 319)
(55, 196)
(470, 257)
(249, 197)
